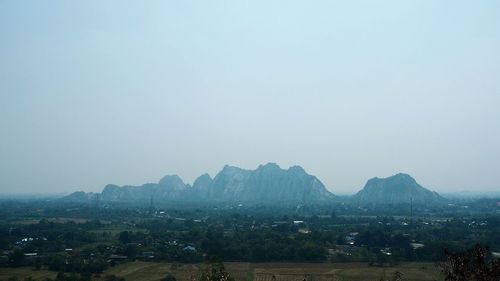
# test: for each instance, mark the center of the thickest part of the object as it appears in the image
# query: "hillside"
(398, 189)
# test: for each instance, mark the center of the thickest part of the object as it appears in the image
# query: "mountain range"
(267, 184)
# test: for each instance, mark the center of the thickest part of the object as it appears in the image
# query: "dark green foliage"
(169, 277)
(261, 234)
(398, 276)
(113, 278)
(214, 271)
(471, 265)
(16, 257)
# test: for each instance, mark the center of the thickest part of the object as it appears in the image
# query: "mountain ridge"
(267, 184)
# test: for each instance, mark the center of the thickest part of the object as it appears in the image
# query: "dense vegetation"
(89, 239)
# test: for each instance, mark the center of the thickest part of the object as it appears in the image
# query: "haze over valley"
(278, 140)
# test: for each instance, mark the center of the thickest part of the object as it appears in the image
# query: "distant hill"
(81, 196)
(471, 195)
(267, 184)
(397, 189)
(169, 188)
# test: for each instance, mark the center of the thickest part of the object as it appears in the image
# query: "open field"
(23, 272)
(116, 229)
(153, 271)
(342, 271)
(27, 221)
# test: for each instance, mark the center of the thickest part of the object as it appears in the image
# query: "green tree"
(471, 265)
(398, 276)
(215, 271)
(169, 277)
(124, 237)
(16, 257)
(113, 277)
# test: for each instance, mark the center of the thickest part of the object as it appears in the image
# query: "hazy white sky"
(124, 92)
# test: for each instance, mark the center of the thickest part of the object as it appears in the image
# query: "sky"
(125, 92)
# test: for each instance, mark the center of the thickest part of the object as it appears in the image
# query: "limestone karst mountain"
(398, 189)
(267, 184)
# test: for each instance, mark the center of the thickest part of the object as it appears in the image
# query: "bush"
(472, 265)
(169, 277)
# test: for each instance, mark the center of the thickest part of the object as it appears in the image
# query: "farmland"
(153, 271)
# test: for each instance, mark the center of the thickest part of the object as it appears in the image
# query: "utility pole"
(411, 211)
(97, 198)
(151, 206)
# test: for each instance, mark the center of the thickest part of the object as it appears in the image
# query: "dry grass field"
(23, 272)
(154, 271)
(342, 272)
